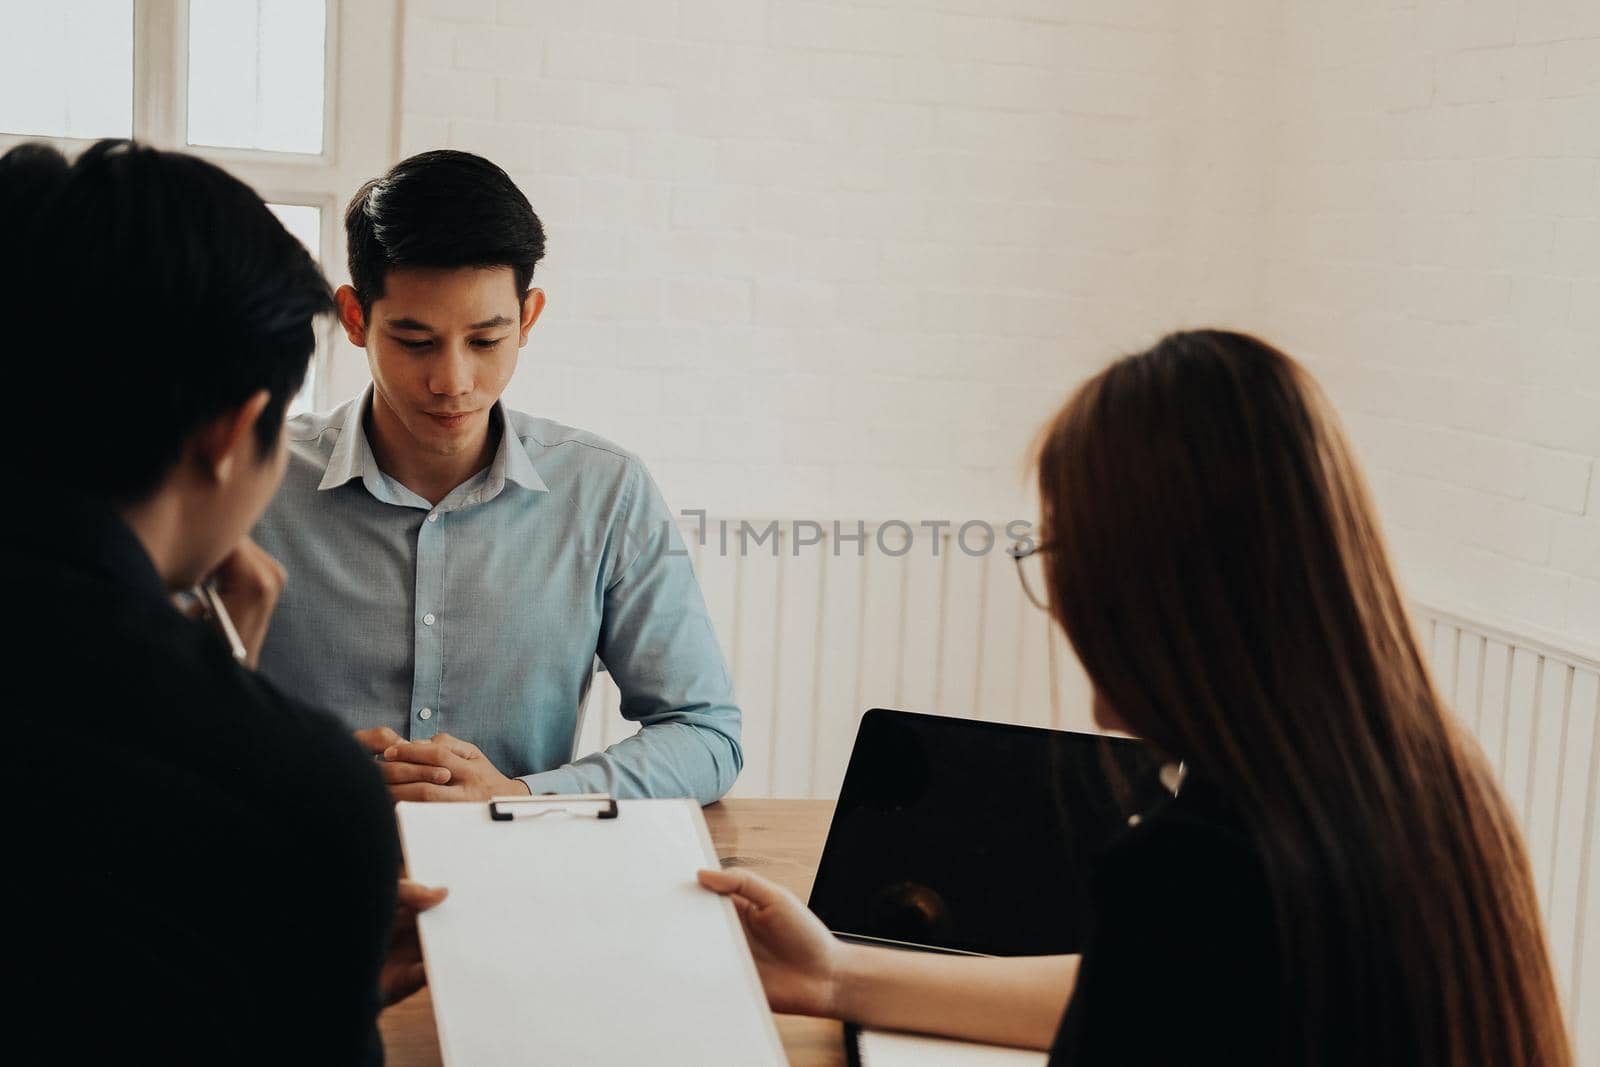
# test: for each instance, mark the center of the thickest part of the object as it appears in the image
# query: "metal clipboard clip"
(590, 805)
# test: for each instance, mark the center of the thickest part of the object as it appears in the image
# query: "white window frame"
(359, 130)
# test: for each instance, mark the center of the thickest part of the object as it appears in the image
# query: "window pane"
(66, 69)
(304, 401)
(256, 74)
(306, 224)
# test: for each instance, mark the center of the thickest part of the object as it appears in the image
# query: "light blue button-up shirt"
(482, 616)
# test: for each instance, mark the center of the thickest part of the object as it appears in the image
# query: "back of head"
(1205, 484)
(28, 174)
(1213, 555)
(440, 210)
(152, 292)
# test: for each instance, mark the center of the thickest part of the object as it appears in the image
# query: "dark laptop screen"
(974, 836)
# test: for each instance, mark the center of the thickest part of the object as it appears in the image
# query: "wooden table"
(781, 839)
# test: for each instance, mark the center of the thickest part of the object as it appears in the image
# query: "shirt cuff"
(560, 780)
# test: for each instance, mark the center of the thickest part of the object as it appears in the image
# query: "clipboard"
(575, 932)
(598, 805)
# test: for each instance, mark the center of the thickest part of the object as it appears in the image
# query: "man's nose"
(452, 373)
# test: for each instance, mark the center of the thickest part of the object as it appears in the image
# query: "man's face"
(442, 345)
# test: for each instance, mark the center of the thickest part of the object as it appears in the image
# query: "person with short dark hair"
(459, 566)
(213, 881)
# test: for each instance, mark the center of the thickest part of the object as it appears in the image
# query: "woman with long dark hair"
(1338, 879)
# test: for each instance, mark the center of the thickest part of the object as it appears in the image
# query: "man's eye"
(414, 345)
(486, 342)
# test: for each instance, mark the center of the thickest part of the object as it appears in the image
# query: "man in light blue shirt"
(456, 567)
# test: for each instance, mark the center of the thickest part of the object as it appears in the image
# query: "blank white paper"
(568, 939)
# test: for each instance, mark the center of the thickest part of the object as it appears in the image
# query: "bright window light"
(257, 74)
(66, 68)
(304, 222)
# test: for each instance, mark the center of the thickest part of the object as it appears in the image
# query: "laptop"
(958, 835)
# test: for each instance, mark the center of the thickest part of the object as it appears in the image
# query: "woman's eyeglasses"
(1030, 571)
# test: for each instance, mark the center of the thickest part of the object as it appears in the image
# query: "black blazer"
(202, 870)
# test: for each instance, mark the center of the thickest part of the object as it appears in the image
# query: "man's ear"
(351, 317)
(532, 305)
(228, 441)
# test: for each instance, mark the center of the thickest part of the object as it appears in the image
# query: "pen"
(207, 594)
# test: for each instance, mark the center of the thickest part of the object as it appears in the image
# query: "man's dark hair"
(441, 209)
(27, 174)
(156, 292)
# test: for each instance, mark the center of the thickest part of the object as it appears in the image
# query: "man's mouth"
(449, 419)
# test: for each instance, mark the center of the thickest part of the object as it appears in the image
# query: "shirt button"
(433, 516)
(425, 713)
(427, 620)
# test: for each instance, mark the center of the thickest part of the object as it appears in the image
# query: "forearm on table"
(667, 759)
(1007, 1001)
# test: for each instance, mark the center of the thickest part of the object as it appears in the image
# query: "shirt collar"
(511, 459)
(352, 457)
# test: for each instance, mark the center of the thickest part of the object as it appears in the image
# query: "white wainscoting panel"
(1535, 709)
(902, 618)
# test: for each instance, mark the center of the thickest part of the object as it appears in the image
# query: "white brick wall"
(840, 259)
(828, 259)
(1434, 249)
